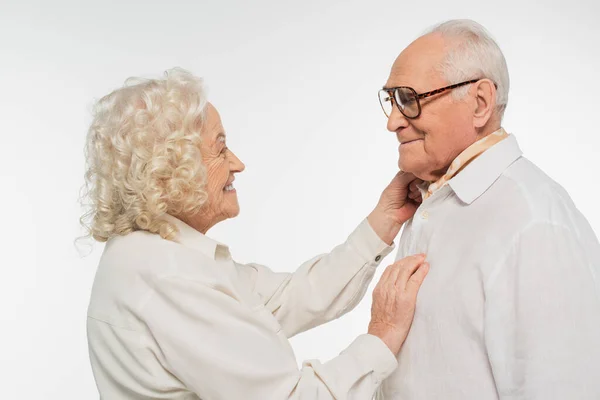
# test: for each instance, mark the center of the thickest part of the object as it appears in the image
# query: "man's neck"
(486, 131)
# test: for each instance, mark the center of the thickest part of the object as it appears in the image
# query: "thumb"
(404, 178)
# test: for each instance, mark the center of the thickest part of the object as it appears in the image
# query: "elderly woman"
(171, 315)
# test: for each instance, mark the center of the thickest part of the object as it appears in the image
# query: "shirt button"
(377, 258)
(425, 215)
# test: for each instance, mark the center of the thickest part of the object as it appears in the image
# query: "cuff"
(374, 356)
(367, 243)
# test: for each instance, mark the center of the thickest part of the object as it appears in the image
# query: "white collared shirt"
(511, 306)
(182, 320)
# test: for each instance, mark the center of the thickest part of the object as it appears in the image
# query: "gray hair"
(476, 55)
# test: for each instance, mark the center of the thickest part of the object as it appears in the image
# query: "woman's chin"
(233, 210)
(234, 213)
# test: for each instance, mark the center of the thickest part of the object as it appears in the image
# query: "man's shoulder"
(545, 197)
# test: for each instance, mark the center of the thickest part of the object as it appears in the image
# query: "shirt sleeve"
(324, 287)
(542, 316)
(221, 348)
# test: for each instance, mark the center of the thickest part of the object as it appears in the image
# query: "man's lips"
(409, 141)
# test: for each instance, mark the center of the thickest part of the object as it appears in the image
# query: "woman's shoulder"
(150, 257)
(135, 250)
(134, 266)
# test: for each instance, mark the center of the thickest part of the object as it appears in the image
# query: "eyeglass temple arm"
(441, 90)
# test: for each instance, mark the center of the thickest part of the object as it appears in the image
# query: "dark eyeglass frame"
(418, 96)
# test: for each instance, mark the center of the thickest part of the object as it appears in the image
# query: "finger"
(417, 202)
(408, 266)
(386, 273)
(419, 198)
(416, 279)
(394, 273)
(416, 192)
(381, 284)
(411, 207)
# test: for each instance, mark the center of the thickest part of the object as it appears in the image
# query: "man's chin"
(412, 169)
(406, 166)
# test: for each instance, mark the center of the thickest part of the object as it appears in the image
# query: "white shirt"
(182, 320)
(511, 306)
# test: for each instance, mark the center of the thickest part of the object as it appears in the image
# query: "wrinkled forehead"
(212, 119)
(418, 65)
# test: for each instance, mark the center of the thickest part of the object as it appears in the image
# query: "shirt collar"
(189, 237)
(477, 177)
(465, 158)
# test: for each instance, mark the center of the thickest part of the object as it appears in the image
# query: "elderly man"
(511, 307)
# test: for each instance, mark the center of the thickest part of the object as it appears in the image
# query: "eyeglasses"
(407, 99)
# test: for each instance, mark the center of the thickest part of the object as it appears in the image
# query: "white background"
(296, 84)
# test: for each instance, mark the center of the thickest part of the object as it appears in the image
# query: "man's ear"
(485, 102)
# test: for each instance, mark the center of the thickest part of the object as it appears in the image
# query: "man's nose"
(396, 120)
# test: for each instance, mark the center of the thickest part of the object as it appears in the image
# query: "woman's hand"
(394, 300)
(397, 204)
